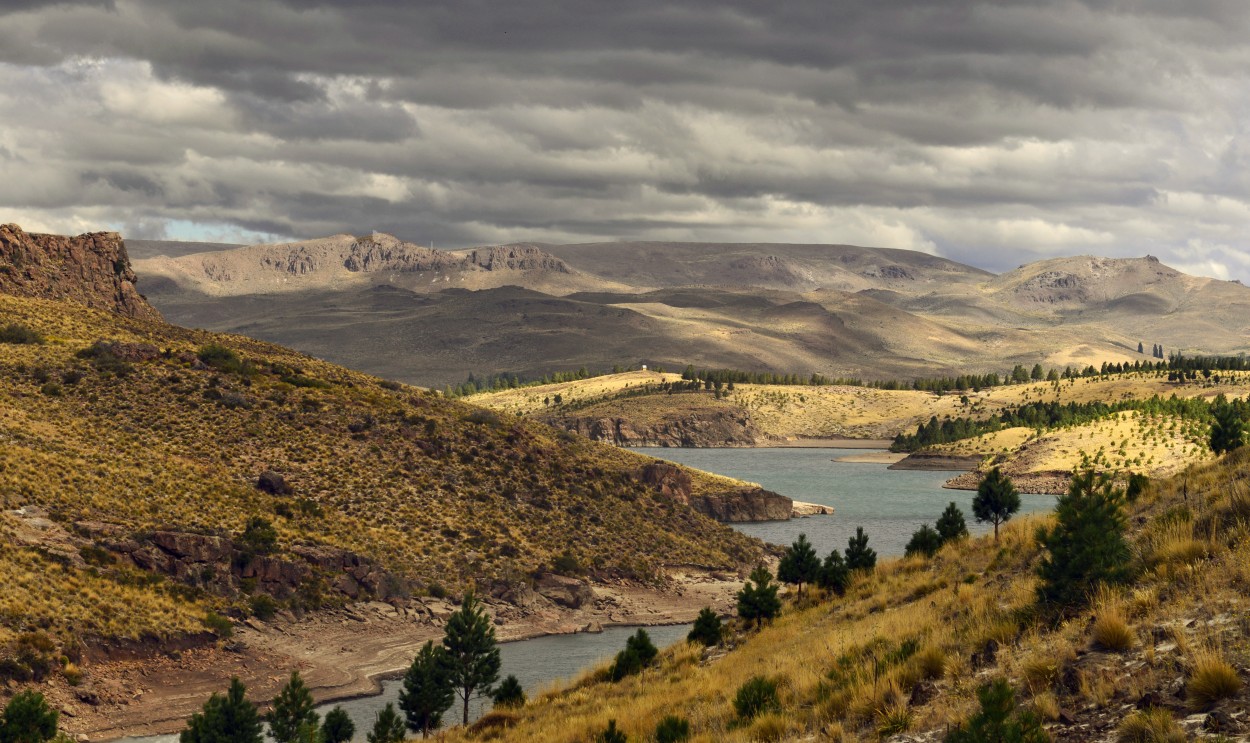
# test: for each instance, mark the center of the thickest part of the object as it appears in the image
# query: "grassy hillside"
(907, 646)
(118, 427)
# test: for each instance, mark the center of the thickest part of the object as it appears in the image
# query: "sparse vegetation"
(1211, 680)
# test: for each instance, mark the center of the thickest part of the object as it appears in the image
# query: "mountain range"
(432, 317)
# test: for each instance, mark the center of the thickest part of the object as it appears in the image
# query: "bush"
(859, 556)
(707, 629)
(611, 734)
(258, 537)
(639, 653)
(1150, 726)
(509, 693)
(18, 334)
(219, 625)
(998, 720)
(1111, 632)
(758, 694)
(834, 575)
(221, 358)
(758, 600)
(27, 718)
(951, 525)
(924, 541)
(263, 606)
(1211, 680)
(672, 729)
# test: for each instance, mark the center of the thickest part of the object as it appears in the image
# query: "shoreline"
(348, 653)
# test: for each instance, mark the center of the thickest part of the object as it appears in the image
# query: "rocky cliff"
(91, 269)
(713, 427)
(751, 503)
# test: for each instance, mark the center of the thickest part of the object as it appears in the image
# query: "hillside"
(433, 317)
(900, 655)
(153, 477)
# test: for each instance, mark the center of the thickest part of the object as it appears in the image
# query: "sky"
(992, 133)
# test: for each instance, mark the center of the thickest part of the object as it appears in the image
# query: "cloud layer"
(994, 133)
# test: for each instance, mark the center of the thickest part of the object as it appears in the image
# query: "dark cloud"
(991, 132)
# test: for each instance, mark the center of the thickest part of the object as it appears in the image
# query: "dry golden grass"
(1150, 726)
(435, 491)
(1211, 679)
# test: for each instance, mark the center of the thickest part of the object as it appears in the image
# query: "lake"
(889, 504)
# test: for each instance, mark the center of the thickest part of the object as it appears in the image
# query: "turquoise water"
(889, 504)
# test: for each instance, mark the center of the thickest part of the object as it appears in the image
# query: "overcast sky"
(993, 133)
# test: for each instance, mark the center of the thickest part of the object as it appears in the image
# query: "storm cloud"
(993, 133)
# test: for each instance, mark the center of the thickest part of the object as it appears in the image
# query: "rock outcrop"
(91, 269)
(715, 427)
(515, 258)
(738, 504)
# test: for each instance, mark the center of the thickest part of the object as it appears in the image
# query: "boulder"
(570, 593)
(193, 547)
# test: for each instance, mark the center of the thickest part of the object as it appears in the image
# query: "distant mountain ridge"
(837, 310)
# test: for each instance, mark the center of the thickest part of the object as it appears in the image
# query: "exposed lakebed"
(889, 504)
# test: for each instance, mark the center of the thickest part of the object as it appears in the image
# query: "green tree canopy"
(707, 629)
(799, 565)
(758, 600)
(472, 652)
(388, 726)
(951, 524)
(1228, 429)
(1086, 547)
(427, 692)
(859, 556)
(996, 500)
(225, 719)
(834, 574)
(27, 718)
(924, 541)
(639, 653)
(998, 720)
(292, 708)
(509, 693)
(337, 727)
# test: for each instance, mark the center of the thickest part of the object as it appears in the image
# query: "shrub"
(834, 575)
(18, 334)
(951, 525)
(611, 734)
(758, 600)
(509, 693)
(219, 625)
(258, 537)
(924, 541)
(859, 556)
(27, 718)
(757, 694)
(893, 719)
(931, 662)
(672, 729)
(999, 720)
(1150, 726)
(263, 606)
(639, 652)
(1210, 680)
(707, 628)
(221, 358)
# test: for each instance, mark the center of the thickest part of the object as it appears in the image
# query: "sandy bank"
(875, 457)
(803, 509)
(345, 653)
(834, 443)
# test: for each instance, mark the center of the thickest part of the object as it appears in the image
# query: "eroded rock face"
(92, 269)
(570, 593)
(711, 428)
(746, 504)
(515, 258)
(669, 479)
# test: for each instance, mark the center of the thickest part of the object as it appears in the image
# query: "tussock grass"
(1211, 679)
(1150, 726)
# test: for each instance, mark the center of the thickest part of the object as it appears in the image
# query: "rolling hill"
(433, 317)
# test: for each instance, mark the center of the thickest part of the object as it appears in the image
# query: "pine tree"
(1227, 430)
(509, 693)
(611, 735)
(707, 628)
(799, 565)
(924, 541)
(834, 575)
(388, 726)
(292, 708)
(337, 727)
(1038, 373)
(225, 719)
(27, 718)
(1141, 348)
(859, 556)
(639, 653)
(1086, 547)
(758, 600)
(951, 524)
(996, 500)
(998, 720)
(472, 652)
(427, 691)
